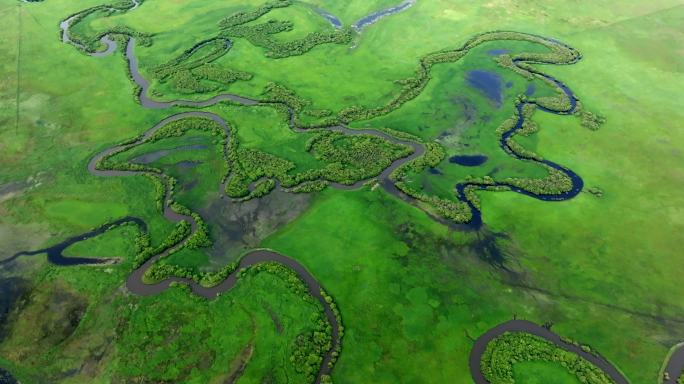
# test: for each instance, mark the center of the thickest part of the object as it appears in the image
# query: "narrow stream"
(376, 16)
(135, 282)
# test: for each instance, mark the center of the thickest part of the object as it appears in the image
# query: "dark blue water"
(54, 253)
(497, 52)
(334, 21)
(468, 160)
(577, 182)
(489, 83)
(374, 17)
(435, 171)
(530, 90)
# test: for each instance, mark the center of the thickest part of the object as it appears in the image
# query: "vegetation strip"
(480, 347)
(413, 87)
(561, 184)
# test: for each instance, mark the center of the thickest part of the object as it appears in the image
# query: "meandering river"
(135, 282)
(525, 326)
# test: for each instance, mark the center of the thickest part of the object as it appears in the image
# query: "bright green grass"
(265, 129)
(404, 316)
(334, 71)
(540, 372)
(217, 332)
(464, 121)
(428, 289)
(189, 258)
(406, 301)
(117, 242)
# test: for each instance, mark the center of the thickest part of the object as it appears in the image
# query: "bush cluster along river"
(135, 282)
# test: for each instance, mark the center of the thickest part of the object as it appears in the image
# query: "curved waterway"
(577, 182)
(111, 45)
(388, 185)
(332, 19)
(367, 20)
(674, 365)
(55, 253)
(135, 281)
(525, 326)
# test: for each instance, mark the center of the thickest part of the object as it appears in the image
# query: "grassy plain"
(605, 271)
(537, 372)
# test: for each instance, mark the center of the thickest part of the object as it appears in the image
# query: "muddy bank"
(48, 315)
(237, 226)
(135, 285)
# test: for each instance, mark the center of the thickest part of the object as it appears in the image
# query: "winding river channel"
(577, 182)
(136, 285)
(525, 326)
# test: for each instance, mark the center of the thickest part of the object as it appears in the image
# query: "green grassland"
(461, 120)
(175, 336)
(542, 372)
(604, 268)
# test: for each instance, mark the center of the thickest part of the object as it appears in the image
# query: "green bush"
(514, 347)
